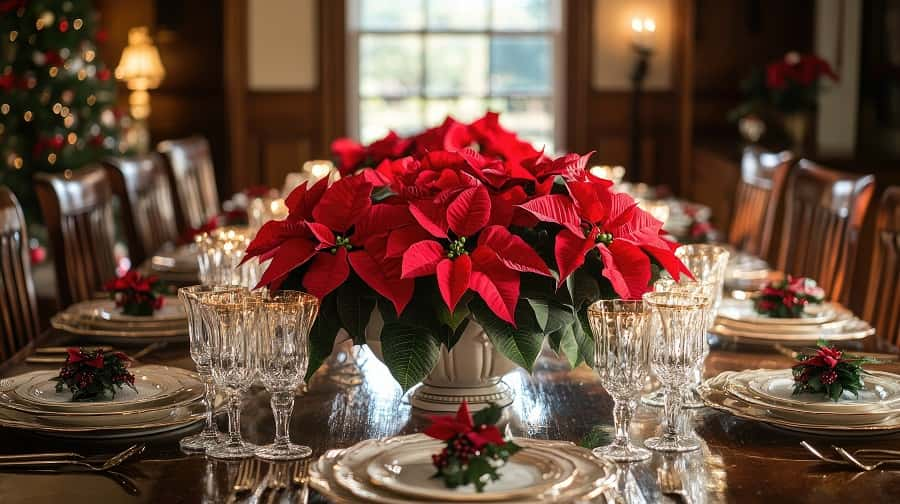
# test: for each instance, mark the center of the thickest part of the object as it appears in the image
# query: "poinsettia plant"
(788, 297)
(829, 371)
(94, 374)
(461, 222)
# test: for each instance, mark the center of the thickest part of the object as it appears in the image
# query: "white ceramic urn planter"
(472, 370)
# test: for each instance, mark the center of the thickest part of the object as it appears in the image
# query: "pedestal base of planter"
(443, 399)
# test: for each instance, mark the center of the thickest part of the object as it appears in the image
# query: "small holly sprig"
(94, 374)
(788, 297)
(136, 294)
(829, 371)
(475, 447)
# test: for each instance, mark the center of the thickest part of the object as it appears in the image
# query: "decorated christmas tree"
(56, 95)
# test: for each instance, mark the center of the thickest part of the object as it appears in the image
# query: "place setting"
(788, 311)
(827, 392)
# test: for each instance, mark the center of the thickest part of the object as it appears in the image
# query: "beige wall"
(282, 52)
(613, 57)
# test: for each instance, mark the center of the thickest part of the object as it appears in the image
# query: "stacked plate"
(399, 470)
(767, 396)
(177, 265)
(102, 320)
(746, 272)
(736, 319)
(166, 399)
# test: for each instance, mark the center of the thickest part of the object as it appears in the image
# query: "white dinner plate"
(743, 311)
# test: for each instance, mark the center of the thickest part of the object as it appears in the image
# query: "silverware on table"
(57, 355)
(65, 349)
(821, 457)
(42, 456)
(883, 357)
(856, 462)
(670, 484)
(110, 463)
(152, 347)
(246, 479)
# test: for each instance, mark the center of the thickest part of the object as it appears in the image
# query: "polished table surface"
(740, 461)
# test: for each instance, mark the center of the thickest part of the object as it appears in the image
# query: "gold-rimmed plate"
(340, 474)
(743, 311)
(714, 393)
(61, 322)
(105, 310)
(409, 471)
(853, 329)
(157, 387)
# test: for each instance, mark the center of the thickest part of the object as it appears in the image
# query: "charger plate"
(157, 387)
(773, 390)
(408, 471)
(715, 394)
(853, 329)
(593, 476)
(743, 311)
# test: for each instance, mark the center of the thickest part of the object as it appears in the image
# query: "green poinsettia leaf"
(354, 310)
(541, 309)
(488, 416)
(322, 334)
(599, 435)
(521, 344)
(565, 345)
(581, 329)
(410, 352)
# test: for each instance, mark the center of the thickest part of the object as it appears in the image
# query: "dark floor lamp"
(643, 30)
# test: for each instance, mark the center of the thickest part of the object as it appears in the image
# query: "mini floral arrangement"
(136, 294)
(475, 447)
(92, 374)
(828, 371)
(789, 85)
(461, 222)
(788, 297)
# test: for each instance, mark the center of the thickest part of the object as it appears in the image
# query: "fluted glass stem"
(209, 401)
(234, 419)
(282, 406)
(623, 411)
(674, 400)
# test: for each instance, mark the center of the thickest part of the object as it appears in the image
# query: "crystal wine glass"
(621, 357)
(232, 318)
(199, 336)
(676, 352)
(285, 319)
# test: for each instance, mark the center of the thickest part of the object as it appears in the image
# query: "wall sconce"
(643, 31)
(141, 69)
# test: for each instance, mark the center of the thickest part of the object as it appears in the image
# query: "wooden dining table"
(354, 398)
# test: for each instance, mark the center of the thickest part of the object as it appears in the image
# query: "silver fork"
(670, 484)
(865, 467)
(113, 461)
(245, 481)
(857, 453)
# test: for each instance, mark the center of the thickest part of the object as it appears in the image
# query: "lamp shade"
(140, 66)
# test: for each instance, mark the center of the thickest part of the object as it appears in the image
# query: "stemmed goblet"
(285, 319)
(622, 342)
(232, 318)
(676, 352)
(199, 337)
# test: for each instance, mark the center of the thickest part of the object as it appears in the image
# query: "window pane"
(377, 116)
(391, 15)
(457, 65)
(463, 109)
(457, 14)
(521, 65)
(530, 118)
(390, 65)
(530, 15)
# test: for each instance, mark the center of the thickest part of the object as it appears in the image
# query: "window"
(413, 62)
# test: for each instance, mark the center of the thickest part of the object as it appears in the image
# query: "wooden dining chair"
(757, 200)
(78, 212)
(882, 308)
(18, 304)
(824, 211)
(191, 173)
(148, 212)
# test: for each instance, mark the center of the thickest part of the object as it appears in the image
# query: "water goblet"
(285, 319)
(707, 263)
(199, 336)
(677, 350)
(698, 287)
(622, 341)
(232, 318)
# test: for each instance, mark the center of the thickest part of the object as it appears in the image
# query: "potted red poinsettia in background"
(456, 252)
(789, 88)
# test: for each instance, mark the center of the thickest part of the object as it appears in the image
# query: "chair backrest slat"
(824, 212)
(78, 211)
(148, 210)
(192, 175)
(757, 200)
(882, 308)
(18, 304)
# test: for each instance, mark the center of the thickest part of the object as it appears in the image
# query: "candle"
(312, 172)
(614, 173)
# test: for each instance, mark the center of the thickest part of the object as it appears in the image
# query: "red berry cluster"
(460, 447)
(94, 374)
